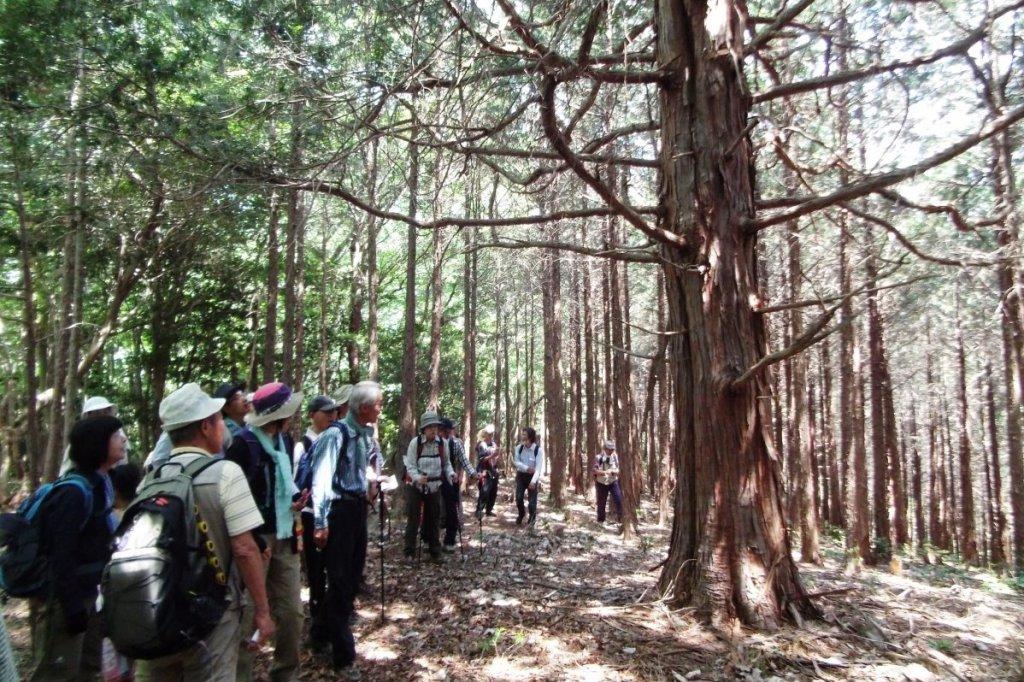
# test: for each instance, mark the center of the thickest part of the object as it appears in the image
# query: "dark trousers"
(316, 578)
(346, 523)
(431, 504)
(602, 499)
(487, 493)
(452, 518)
(522, 489)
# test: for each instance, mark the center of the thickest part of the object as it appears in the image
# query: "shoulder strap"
(419, 446)
(82, 483)
(307, 444)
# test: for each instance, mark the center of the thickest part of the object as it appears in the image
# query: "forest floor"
(570, 601)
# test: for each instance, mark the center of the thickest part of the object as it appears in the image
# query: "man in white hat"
(426, 466)
(264, 451)
(606, 479)
(196, 428)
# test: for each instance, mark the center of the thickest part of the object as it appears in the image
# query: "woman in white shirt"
(529, 461)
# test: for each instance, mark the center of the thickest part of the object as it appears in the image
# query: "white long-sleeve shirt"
(530, 457)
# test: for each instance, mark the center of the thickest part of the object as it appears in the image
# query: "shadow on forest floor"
(571, 601)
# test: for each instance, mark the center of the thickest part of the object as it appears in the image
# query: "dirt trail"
(570, 601)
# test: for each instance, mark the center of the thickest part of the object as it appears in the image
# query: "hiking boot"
(436, 558)
(531, 521)
(490, 513)
(519, 519)
(409, 553)
(448, 549)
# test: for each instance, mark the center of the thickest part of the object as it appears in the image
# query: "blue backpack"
(308, 462)
(24, 569)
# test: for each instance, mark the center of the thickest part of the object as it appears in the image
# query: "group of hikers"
(189, 564)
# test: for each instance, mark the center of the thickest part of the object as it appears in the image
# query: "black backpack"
(164, 588)
(24, 570)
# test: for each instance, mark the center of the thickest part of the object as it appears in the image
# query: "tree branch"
(876, 183)
(811, 335)
(638, 256)
(558, 141)
(951, 50)
(783, 18)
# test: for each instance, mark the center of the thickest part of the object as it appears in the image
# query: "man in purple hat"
(263, 449)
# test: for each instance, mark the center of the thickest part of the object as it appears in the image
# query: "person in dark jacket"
(264, 451)
(77, 530)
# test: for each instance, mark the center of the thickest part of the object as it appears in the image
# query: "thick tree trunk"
(273, 289)
(407, 423)
(372, 279)
(729, 554)
(436, 320)
(32, 427)
(861, 532)
(589, 371)
(800, 444)
(917, 485)
(469, 340)
(1000, 542)
(879, 446)
(968, 536)
(554, 392)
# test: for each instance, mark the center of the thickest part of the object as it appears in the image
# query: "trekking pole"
(380, 521)
(419, 529)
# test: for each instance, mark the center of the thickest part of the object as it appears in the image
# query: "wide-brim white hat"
(94, 403)
(271, 402)
(187, 405)
(489, 428)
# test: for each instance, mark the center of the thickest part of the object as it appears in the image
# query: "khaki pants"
(59, 655)
(212, 660)
(284, 592)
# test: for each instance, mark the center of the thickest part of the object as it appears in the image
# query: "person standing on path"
(606, 480)
(451, 491)
(195, 426)
(75, 540)
(339, 507)
(529, 463)
(487, 454)
(321, 411)
(263, 450)
(235, 406)
(427, 467)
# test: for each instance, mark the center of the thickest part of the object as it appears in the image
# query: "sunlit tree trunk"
(729, 554)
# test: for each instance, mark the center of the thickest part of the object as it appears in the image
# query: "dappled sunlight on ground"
(569, 600)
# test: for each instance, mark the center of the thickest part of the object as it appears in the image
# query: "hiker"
(342, 402)
(339, 506)
(162, 450)
(321, 411)
(263, 450)
(606, 479)
(450, 490)
(66, 631)
(193, 422)
(427, 466)
(529, 462)
(96, 406)
(487, 453)
(236, 405)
